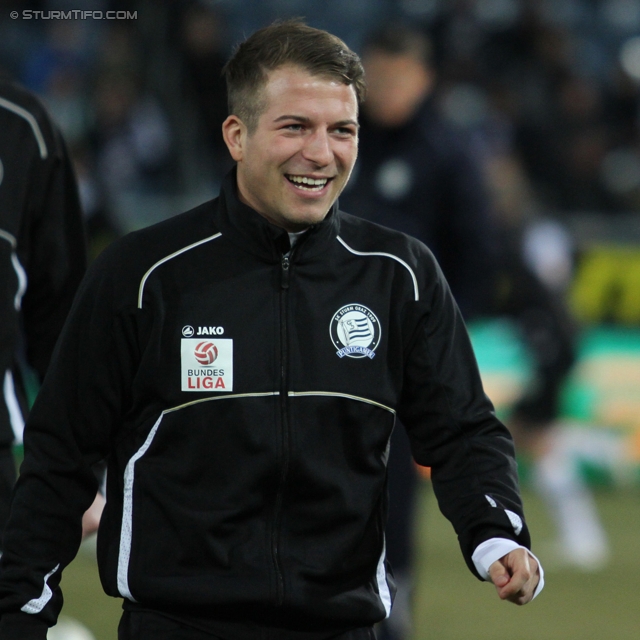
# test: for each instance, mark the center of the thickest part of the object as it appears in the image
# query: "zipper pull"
(286, 263)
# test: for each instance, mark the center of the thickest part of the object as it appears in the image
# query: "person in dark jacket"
(42, 258)
(241, 367)
(415, 173)
(418, 173)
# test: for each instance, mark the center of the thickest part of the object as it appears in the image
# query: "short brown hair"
(399, 39)
(286, 42)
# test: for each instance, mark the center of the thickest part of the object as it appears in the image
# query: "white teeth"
(311, 182)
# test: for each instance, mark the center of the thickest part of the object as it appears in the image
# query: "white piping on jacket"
(341, 395)
(35, 127)
(13, 407)
(126, 531)
(38, 604)
(381, 577)
(385, 255)
(166, 259)
(9, 238)
(127, 515)
(21, 274)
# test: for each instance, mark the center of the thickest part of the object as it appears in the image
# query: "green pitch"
(449, 605)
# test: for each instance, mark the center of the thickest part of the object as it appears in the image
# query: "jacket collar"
(254, 233)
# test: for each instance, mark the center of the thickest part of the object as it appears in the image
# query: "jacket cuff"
(494, 549)
(470, 543)
(22, 625)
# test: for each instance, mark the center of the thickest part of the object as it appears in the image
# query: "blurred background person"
(132, 145)
(418, 174)
(203, 47)
(43, 256)
(414, 174)
(530, 289)
(42, 261)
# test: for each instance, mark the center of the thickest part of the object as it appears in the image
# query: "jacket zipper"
(284, 399)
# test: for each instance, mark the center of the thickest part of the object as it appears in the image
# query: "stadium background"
(553, 83)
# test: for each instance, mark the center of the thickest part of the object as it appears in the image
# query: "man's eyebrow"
(296, 118)
(343, 123)
(305, 120)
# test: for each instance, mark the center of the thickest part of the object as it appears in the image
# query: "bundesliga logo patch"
(355, 331)
(207, 365)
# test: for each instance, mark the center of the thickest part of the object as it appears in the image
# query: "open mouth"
(308, 184)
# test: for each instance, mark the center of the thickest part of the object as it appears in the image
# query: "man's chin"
(300, 220)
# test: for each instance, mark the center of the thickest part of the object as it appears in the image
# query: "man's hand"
(515, 576)
(91, 517)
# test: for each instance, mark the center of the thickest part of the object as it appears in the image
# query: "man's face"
(296, 162)
(396, 86)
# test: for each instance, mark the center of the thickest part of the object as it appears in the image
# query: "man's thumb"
(498, 574)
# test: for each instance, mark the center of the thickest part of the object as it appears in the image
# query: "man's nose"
(318, 149)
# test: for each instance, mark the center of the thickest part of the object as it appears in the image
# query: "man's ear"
(234, 133)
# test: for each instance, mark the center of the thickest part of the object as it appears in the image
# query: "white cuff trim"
(493, 549)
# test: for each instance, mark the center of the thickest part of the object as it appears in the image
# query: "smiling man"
(240, 367)
(294, 162)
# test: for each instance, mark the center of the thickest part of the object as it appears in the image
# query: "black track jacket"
(42, 243)
(245, 400)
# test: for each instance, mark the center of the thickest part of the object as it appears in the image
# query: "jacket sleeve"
(52, 247)
(74, 418)
(453, 428)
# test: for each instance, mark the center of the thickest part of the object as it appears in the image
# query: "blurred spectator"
(121, 49)
(133, 145)
(101, 227)
(531, 290)
(63, 47)
(57, 70)
(65, 96)
(204, 52)
(414, 167)
(417, 174)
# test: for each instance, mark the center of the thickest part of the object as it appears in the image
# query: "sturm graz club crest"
(355, 331)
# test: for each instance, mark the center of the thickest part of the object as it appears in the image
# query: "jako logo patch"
(206, 365)
(355, 331)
